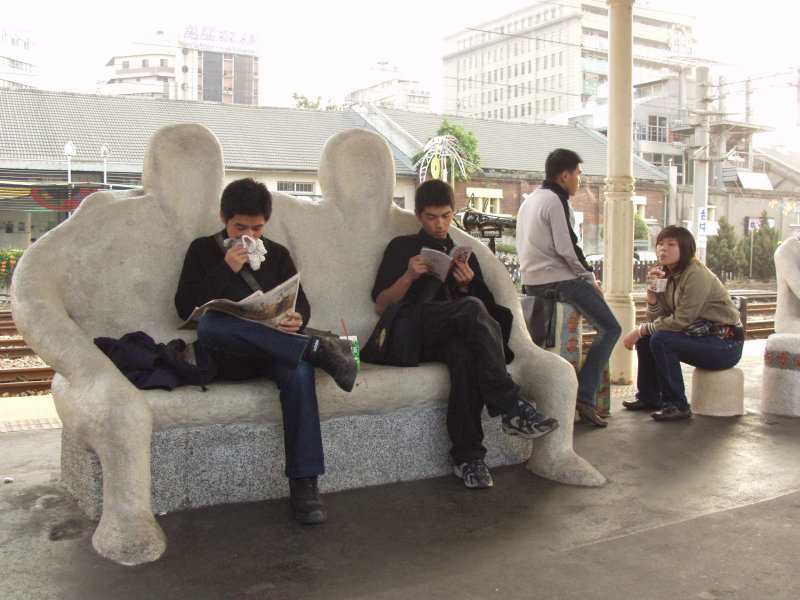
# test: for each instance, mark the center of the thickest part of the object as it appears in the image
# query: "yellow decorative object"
(436, 167)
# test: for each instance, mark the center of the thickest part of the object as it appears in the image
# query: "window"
(145, 62)
(163, 62)
(126, 64)
(296, 187)
(639, 131)
(657, 128)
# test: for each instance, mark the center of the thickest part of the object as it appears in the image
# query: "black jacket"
(206, 276)
(402, 321)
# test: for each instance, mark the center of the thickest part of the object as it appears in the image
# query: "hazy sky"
(327, 48)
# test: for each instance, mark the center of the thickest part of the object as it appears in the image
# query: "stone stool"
(718, 393)
(780, 381)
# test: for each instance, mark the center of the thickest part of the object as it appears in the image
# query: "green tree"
(764, 243)
(640, 230)
(468, 144)
(724, 251)
(301, 101)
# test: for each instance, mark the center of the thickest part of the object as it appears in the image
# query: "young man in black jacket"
(456, 322)
(214, 268)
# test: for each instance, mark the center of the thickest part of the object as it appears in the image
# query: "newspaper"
(264, 308)
(441, 261)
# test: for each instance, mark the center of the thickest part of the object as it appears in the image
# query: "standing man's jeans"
(590, 303)
(660, 379)
(246, 350)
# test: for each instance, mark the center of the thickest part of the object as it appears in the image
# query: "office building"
(203, 64)
(17, 69)
(549, 58)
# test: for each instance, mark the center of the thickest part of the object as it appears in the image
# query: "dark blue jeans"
(246, 350)
(659, 377)
(590, 303)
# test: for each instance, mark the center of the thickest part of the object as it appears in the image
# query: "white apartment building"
(550, 58)
(17, 68)
(203, 64)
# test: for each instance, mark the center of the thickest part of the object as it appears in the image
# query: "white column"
(618, 211)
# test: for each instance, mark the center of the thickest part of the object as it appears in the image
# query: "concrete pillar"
(618, 213)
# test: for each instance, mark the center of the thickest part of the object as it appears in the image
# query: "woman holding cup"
(690, 318)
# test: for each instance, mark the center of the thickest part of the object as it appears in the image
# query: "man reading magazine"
(456, 322)
(214, 268)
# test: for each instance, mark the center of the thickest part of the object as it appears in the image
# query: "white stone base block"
(780, 381)
(718, 393)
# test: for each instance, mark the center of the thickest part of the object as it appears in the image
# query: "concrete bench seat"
(112, 268)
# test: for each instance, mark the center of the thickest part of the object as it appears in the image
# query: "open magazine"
(264, 308)
(441, 261)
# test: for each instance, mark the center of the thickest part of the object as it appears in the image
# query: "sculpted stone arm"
(43, 321)
(98, 406)
(787, 263)
(787, 267)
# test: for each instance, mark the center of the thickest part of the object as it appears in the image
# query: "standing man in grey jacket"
(553, 265)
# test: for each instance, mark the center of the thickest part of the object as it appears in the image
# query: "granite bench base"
(222, 464)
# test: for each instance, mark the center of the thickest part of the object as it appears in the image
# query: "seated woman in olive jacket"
(693, 320)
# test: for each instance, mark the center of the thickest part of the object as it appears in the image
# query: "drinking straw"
(345, 329)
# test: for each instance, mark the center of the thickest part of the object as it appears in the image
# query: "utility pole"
(701, 159)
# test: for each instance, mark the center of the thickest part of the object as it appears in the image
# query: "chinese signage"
(204, 37)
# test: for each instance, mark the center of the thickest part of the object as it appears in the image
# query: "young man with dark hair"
(245, 350)
(553, 265)
(456, 322)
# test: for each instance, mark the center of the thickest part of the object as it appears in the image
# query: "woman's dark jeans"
(660, 379)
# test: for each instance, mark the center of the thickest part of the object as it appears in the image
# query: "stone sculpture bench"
(112, 268)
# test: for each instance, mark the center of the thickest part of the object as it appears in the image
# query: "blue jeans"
(590, 303)
(246, 350)
(660, 379)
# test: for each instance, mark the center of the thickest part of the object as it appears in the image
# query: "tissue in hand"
(256, 253)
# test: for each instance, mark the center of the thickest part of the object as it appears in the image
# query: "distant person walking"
(690, 318)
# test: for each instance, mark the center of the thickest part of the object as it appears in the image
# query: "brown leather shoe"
(589, 412)
(672, 413)
(640, 405)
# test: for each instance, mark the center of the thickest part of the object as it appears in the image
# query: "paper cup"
(658, 285)
(354, 349)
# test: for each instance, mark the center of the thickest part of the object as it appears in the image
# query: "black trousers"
(463, 335)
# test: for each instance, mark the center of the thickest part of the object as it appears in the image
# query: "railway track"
(16, 381)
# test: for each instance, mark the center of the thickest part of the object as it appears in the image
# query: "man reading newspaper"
(218, 267)
(456, 322)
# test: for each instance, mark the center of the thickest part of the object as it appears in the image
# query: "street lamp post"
(69, 152)
(105, 153)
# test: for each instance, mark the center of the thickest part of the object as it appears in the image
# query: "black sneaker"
(475, 474)
(304, 499)
(335, 358)
(524, 420)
